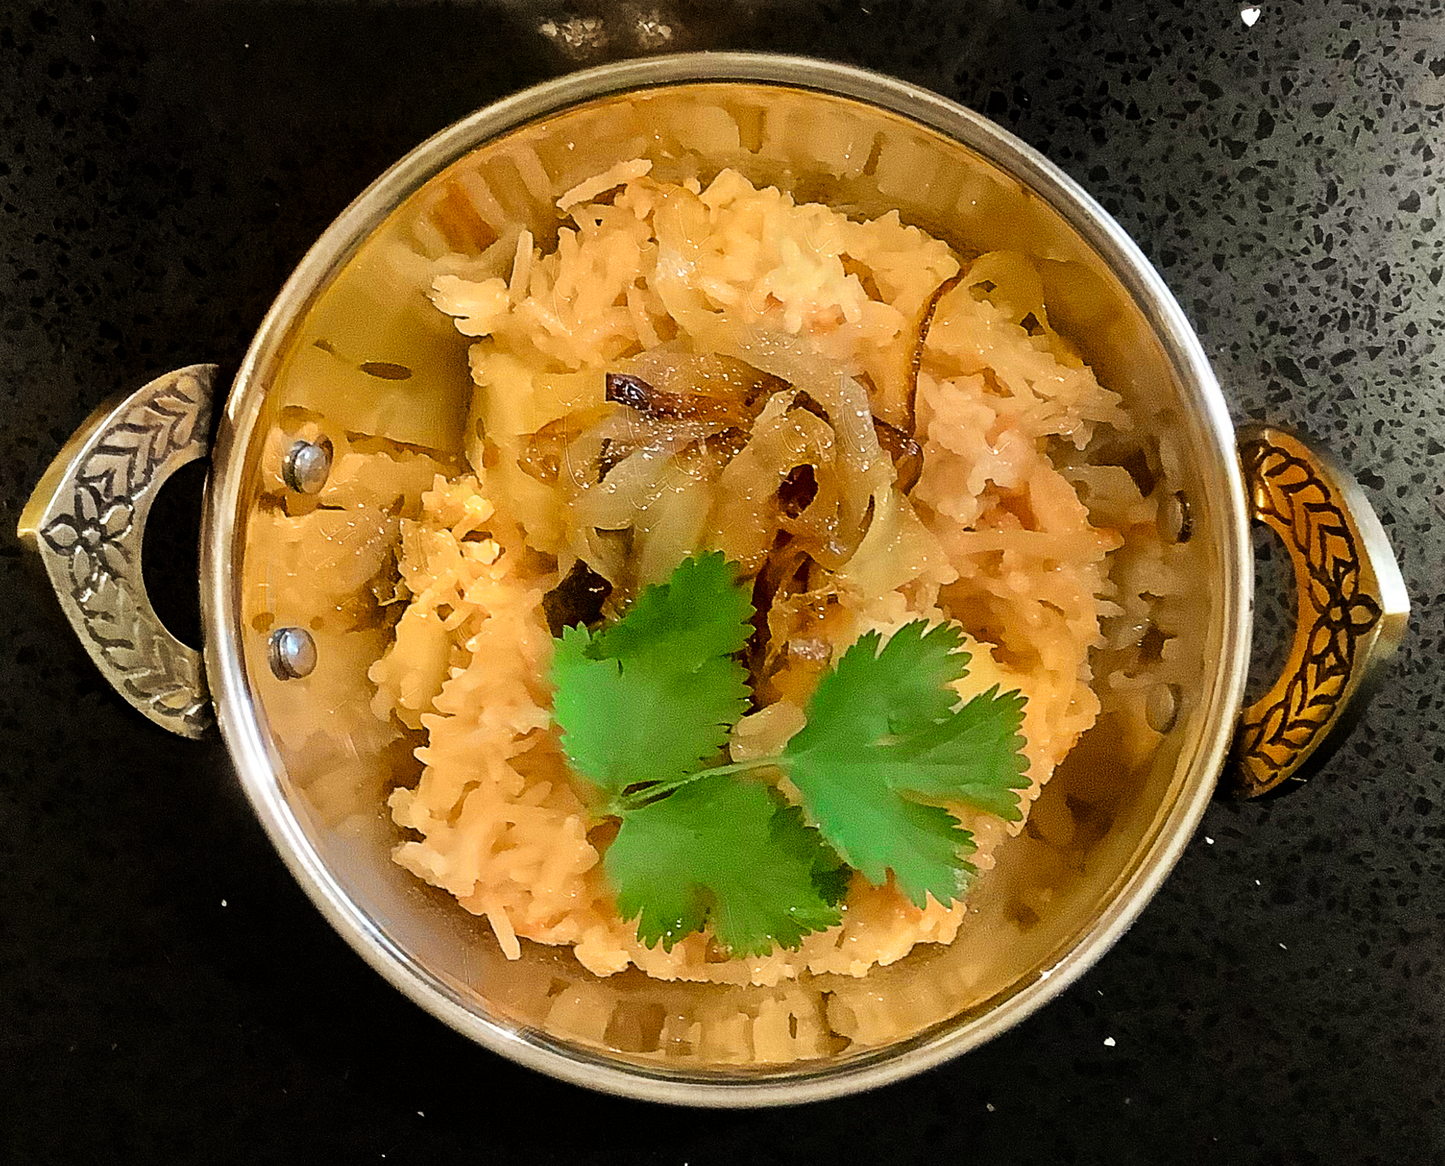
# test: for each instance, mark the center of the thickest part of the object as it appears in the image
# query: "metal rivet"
(307, 465)
(1161, 709)
(1175, 522)
(291, 653)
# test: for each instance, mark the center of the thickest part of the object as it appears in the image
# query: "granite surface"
(168, 994)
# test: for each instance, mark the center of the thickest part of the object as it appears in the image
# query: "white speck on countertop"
(1249, 14)
(1257, 882)
(652, 31)
(1283, 948)
(577, 35)
(1109, 1042)
(223, 902)
(420, 1114)
(1209, 840)
(989, 1107)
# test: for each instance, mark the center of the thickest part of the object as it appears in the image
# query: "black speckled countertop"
(168, 994)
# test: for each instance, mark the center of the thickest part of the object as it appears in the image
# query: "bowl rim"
(222, 544)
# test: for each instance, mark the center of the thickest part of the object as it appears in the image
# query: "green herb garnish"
(653, 697)
(646, 706)
(724, 850)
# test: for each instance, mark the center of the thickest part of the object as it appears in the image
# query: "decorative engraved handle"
(1352, 608)
(87, 520)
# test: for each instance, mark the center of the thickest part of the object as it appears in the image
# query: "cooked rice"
(995, 534)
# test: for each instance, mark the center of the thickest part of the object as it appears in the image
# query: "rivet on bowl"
(307, 465)
(291, 653)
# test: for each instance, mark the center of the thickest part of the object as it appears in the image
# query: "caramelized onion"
(680, 374)
(545, 452)
(925, 323)
(748, 512)
(659, 405)
(793, 639)
(629, 390)
(905, 453)
(798, 490)
(577, 599)
(858, 467)
(785, 571)
(757, 441)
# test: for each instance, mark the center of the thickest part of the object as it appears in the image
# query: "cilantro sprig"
(645, 707)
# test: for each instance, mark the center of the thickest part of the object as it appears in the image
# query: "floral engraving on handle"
(1279, 731)
(97, 531)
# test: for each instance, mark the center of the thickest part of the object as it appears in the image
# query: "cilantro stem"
(649, 794)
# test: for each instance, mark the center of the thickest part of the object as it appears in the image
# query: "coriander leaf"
(720, 851)
(699, 614)
(915, 670)
(637, 720)
(882, 737)
(975, 757)
(831, 875)
(876, 829)
(901, 688)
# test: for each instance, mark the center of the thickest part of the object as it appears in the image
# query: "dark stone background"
(167, 993)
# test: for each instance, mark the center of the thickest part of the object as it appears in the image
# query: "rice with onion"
(682, 285)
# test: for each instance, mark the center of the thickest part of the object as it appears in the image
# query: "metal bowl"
(959, 176)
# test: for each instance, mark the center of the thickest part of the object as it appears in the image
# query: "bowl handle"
(87, 519)
(1351, 615)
